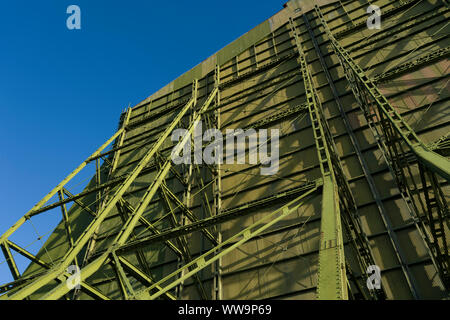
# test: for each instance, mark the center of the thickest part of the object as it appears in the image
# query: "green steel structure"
(363, 116)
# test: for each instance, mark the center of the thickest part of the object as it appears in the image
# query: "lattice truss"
(362, 180)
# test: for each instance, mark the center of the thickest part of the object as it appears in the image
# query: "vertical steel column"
(436, 217)
(217, 285)
(332, 280)
(380, 206)
(188, 175)
(395, 134)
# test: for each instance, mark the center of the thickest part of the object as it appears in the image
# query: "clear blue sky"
(62, 91)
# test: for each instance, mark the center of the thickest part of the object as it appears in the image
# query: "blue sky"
(62, 91)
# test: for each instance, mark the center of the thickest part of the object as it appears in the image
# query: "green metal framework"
(344, 250)
(394, 135)
(338, 206)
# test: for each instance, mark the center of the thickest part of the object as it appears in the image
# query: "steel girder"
(10, 260)
(332, 280)
(394, 136)
(365, 168)
(217, 193)
(338, 206)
